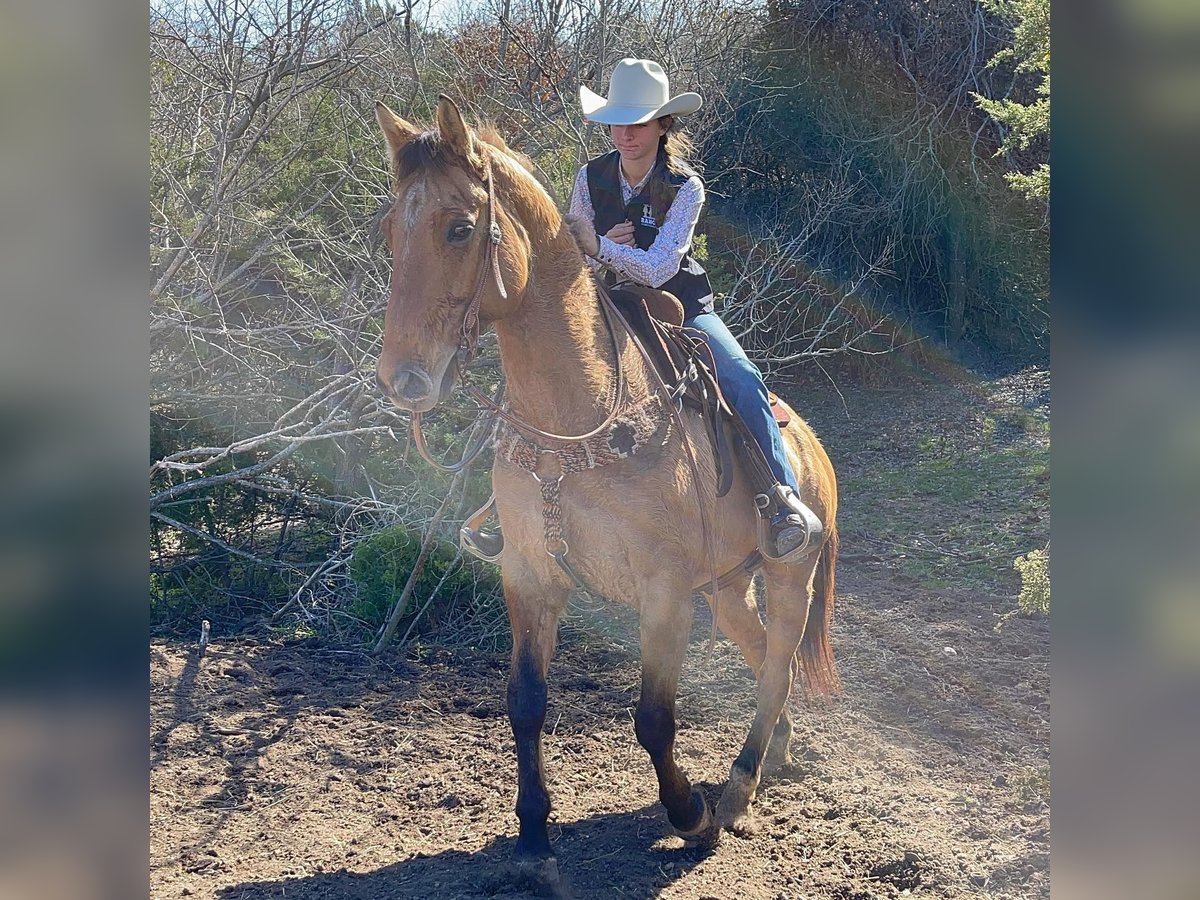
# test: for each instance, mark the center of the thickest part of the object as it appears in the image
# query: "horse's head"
(460, 258)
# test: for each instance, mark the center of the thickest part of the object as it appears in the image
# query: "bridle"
(468, 342)
(468, 349)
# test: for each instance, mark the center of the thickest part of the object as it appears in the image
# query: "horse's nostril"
(413, 388)
(409, 385)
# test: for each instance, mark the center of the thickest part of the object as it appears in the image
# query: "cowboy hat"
(637, 92)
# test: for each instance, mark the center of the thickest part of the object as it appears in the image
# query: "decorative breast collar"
(629, 432)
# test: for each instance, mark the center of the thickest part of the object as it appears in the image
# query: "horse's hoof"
(744, 826)
(705, 834)
(790, 771)
(734, 805)
(539, 875)
(777, 763)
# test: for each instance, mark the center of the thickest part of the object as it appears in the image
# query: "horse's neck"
(557, 351)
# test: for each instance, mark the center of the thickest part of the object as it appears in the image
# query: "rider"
(644, 200)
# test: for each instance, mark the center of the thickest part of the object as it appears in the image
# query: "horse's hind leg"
(788, 598)
(665, 625)
(738, 619)
(779, 753)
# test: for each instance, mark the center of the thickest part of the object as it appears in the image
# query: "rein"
(532, 430)
(474, 448)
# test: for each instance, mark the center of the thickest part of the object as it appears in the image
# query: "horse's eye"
(459, 232)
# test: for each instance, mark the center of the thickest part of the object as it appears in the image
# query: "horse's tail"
(815, 652)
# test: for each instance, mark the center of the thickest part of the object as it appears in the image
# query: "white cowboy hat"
(637, 92)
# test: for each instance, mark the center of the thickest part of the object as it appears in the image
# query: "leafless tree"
(274, 453)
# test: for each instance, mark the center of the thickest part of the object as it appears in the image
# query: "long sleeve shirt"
(659, 263)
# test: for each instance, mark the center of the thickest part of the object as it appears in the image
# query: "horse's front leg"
(666, 622)
(534, 609)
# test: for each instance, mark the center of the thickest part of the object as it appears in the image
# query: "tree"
(1026, 122)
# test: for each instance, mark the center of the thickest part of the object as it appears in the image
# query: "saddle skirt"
(681, 357)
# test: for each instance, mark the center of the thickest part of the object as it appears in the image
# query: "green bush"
(839, 157)
(1034, 567)
(448, 584)
(236, 555)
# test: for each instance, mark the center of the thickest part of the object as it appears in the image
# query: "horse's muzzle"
(409, 387)
(412, 388)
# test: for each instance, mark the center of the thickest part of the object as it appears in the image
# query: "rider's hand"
(621, 233)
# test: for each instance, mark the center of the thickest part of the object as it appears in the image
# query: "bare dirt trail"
(305, 771)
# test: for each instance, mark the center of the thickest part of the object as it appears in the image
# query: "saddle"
(683, 361)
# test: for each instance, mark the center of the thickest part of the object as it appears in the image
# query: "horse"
(476, 241)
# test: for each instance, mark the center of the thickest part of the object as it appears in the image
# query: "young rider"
(634, 211)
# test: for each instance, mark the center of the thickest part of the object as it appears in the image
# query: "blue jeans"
(742, 384)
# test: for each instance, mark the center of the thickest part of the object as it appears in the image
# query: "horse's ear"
(456, 136)
(396, 131)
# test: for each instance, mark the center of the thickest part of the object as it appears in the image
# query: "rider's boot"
(790, 532)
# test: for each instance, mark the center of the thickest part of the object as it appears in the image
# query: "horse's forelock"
(424, 152)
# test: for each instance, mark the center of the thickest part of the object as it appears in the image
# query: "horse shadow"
(629, 854)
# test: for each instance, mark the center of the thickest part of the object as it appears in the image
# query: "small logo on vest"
(648, 217)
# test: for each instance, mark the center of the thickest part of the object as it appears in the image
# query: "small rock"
(1000, 780)
(950, 651)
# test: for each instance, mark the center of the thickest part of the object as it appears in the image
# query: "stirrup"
(487, 545)
(814, 530)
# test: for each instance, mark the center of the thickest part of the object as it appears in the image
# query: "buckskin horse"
(476, 241)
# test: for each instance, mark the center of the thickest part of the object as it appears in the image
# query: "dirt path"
(304, 771)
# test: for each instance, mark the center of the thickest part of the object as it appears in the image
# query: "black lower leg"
(527, 713)
(655, 728)
(754, 751)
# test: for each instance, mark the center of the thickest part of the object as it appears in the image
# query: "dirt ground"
(302, 770)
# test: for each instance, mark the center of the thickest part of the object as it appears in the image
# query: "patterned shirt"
(657, 265)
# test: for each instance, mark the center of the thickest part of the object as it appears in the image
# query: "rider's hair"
(678, 155)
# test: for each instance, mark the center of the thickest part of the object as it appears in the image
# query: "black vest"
(690, 284)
